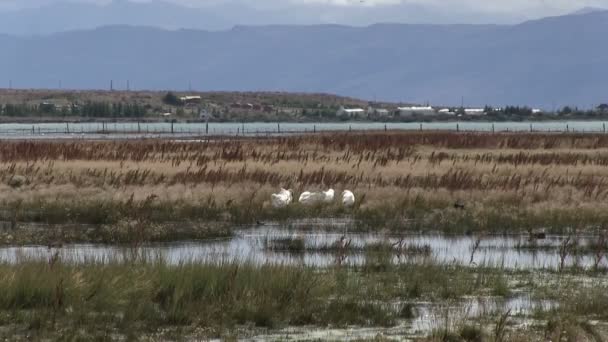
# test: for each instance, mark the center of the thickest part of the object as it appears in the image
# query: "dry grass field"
(417, 181)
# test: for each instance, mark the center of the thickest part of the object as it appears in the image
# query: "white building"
(424, 110)
(351, 112)
(537, 111)
(475, 111)
(446, 111)
(190, 99)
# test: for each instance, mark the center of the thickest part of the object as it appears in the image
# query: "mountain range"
(548, 62)
(66, 15)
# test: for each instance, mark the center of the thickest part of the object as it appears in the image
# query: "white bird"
(308, 197)
(282, 199)
(328, 196)
(348, 198)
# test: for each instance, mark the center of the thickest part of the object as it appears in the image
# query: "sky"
(473, 11)
(491, 5)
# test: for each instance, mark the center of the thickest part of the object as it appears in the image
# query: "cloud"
(484, 5)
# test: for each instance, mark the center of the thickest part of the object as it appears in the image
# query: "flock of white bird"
(285, 197)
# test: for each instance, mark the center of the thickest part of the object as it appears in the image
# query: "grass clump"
(147, 295)
(286, 244)
(471, 333)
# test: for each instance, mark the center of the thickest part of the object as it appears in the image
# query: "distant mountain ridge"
(553, 61)
(66, 15)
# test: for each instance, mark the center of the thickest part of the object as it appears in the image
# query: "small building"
(351, 112)
(475, 111)
(53, 106)
(416, 110)
(190, 99)
(446, 111)
(537, 111)
(47, 107)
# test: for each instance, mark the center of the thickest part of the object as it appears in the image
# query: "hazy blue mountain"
(68, 16)
(553, 61)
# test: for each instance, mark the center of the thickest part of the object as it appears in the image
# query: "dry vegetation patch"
(402, 180)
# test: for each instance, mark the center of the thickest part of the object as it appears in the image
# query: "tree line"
(88, 109)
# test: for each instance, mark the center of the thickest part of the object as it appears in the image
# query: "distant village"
(411, 111)
(377, 111)
(372, 111)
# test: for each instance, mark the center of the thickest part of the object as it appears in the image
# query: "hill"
(34, 105)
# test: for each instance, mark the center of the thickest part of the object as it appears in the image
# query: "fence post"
(138, 127)
(171, 126)
(530, 128)
(278, 127)
(567, 128)
(206, 127)
(421, 127)
(385, 128)
(604, 125)
(350, 128)
(33, 131)
(67, 128)
(457, 128)
(493, 129)
(243, 128)
(314, 128)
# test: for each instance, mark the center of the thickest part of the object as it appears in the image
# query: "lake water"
(251, 245)
(135, 130)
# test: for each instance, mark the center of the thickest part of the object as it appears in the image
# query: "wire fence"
(135, 129)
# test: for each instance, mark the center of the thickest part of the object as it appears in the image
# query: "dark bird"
(459, 205)
(538, 235)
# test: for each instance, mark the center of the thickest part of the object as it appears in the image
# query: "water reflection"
(454, 314)
(249, 245)
(429, 316)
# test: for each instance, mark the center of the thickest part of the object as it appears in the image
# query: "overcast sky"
(498, 11)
